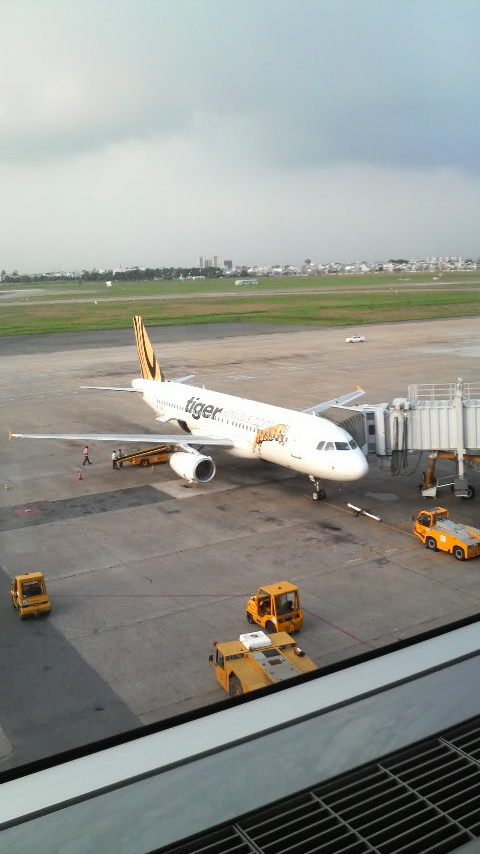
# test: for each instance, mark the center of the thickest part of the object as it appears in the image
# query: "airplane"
(302, 441)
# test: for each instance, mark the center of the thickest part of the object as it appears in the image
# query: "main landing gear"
(319, 494)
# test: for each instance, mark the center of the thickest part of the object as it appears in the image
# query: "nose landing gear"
(319, 494)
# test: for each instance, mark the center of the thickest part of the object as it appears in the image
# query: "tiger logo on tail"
(149, 367)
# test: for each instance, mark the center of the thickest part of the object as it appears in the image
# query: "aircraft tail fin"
(149, 367)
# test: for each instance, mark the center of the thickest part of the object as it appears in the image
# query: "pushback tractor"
(256, 661)
(439, 533)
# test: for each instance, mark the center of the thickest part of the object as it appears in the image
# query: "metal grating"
(421, 800)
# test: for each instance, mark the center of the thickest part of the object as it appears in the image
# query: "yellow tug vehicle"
(276, 608)
(29, 595)
(439, 533)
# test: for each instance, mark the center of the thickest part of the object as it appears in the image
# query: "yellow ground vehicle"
(276, 608)
(256, 660)
(437, 531)
(149, 457)
(29, 594)
(149, 460)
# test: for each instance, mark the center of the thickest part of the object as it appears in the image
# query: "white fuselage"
(303, 442)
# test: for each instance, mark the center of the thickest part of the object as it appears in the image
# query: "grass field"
(307, 301)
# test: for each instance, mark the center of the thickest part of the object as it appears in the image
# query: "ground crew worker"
(114, 460)
(86, 458)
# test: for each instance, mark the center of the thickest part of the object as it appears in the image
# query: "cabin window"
(32, 588)
(287, 602)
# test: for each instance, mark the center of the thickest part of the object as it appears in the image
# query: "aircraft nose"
(360, 466)
(355, 467)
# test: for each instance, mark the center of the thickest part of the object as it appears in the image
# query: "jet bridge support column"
(429, 475)
(461, 485)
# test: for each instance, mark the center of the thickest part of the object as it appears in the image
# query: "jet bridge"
(443, 419)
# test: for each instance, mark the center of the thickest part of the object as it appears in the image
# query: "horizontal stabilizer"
(136, 390)
(183, 379)
(109, 388)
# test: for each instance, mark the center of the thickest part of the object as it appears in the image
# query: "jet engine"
(193, 466)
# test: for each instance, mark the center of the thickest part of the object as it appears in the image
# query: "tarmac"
(145, 573)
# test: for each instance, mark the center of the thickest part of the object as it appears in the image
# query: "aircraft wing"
(338, 401)
(175, 440)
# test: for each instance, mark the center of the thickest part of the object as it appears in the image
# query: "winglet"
(149, 367)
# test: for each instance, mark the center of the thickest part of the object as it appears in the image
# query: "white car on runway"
(355, 339)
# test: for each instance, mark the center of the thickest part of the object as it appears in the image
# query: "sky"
(152, 132)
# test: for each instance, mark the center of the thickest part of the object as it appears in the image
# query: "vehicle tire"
(458, 553)
(270, 628)
(471, 494)
(234, 687)
(250, 618)
(431, 543)
(144, 463)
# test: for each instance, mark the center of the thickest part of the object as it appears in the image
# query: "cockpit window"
(329, 446)
(353, 444)
(341, 446)
(320, 446)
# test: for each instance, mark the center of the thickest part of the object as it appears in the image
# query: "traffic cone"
(79, 476)
(153, 468)
(7, 487)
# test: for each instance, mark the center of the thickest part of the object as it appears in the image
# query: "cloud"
(328, 82)
(165, 129)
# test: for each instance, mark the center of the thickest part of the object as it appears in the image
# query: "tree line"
(136, 274)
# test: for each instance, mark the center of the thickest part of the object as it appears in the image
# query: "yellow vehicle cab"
(29, 594)
(276, 608)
